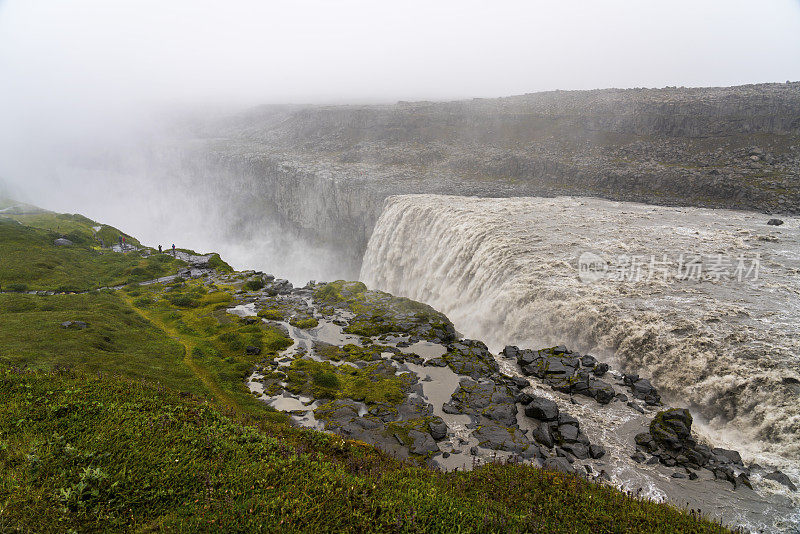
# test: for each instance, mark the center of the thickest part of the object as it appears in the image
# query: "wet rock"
(520, 382)
(635, 406)
(638, 457)
(578, 450)
(692, 475)
(781, 478)
(559, 465)
(600, 369)
(541, 433)
(727, 456)
(568, 433)
(524, 398)
(671, 442)
(597, 451)
(471, 358)
(421, 443)
(542, 409)
(678, 474)
(642, 389)
(450, 409)
(414, 407)
(438, 429)
(485, 398)
(774, 222)
(742, 480)
(671, 428)
(601, 391)
(491, 435)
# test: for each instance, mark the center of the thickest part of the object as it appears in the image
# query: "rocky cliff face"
(325, 171)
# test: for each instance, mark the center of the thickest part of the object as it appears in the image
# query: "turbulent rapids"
(723, 339)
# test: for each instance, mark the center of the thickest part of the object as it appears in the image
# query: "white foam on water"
(505, 270)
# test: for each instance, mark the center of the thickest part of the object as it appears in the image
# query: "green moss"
(216, 263)
(254, 285)
(350, 352)
(304, 322)
(378, 313)
(271, 314)
(372, 384)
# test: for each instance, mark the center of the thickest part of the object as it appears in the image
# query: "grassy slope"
(93, 452)
(30, 261)
(117, 340)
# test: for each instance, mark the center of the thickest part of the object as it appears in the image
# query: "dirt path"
(219, 394)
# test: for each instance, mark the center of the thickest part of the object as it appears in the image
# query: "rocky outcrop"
(565, 371)
(670, 442)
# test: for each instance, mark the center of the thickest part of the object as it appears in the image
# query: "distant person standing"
(173, 249)
(159, 249)
(120, 242)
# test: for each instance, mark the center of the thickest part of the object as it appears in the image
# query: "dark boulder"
(559, 465)
(252, 351)
(600, 369)
(781, 478)
(438, 429)
(597, 451)
(421, 443)
(727, 456)
(578, 450)
(774, 222)
(542, 409)
(493, 436)
(542, 434)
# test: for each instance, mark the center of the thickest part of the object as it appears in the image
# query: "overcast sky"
(82, 78)
(117, 52)
(73, 66)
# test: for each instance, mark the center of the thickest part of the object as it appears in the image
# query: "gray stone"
(438, 429)
(542, 434)
(542, 409)
(497, 437)
(781, 478)
(559, 465)
(421, 443)
(597, 451)
(569, 433)
(63, 242)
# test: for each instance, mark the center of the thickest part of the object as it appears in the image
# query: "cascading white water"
(505, 271)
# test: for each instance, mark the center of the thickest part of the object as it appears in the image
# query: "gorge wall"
(323, 172)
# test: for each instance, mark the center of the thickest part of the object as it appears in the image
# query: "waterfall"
(505, 271)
